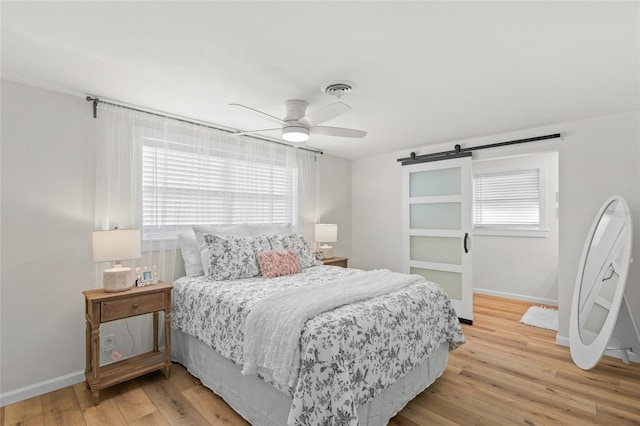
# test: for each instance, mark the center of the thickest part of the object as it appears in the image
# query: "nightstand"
(336, 261)
(100, 307)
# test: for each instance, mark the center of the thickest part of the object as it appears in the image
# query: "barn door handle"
(466, 238)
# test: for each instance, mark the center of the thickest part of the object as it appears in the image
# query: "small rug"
(538, 316)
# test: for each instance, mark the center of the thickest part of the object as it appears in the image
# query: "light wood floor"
(506, 374)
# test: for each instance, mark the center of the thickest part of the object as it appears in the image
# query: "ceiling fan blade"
(338, 131)
(326, 113)
(251, 132)
(261, 114)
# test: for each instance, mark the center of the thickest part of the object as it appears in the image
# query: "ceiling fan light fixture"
(295, 134)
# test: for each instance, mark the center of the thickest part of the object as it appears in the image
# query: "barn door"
(437, 227)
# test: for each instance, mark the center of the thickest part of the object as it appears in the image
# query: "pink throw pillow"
(278, 263)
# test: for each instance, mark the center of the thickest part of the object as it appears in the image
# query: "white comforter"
(347, 355)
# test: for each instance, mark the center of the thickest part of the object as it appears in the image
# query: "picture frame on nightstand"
(146, 275)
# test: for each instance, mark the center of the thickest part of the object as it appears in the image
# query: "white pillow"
(231, 258)
(297, 244)
(220, 230)
(190, 254)
(270, 229)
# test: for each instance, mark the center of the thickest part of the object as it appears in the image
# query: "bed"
(356, 361)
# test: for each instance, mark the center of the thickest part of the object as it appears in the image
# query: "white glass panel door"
(437, 227)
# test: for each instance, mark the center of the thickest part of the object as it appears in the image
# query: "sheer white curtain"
(162, 175)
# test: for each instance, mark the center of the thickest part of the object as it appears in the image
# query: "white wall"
(334, 199)
(47, 193)
(520, 267)
(597, 158)
(47, 210)
(376, 213)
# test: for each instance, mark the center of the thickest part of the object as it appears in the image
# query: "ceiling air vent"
(338, 88)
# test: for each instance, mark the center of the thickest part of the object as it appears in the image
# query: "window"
(507, 200)
(183, 186)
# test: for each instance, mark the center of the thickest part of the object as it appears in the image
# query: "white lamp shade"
(119, 244)
(326, 232)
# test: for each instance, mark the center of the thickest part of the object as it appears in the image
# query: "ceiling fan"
(298, 124)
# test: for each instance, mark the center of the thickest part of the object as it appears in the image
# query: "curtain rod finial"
(95, 105)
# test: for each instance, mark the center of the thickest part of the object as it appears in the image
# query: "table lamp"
(116, 245)
(326, 233)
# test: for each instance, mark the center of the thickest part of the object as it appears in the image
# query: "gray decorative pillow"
(297, 244)
(220, 230)
(232, 258)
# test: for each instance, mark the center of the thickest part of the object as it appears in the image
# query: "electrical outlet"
(108, 343)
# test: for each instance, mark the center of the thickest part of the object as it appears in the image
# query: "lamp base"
(117, 279)
(327, 251)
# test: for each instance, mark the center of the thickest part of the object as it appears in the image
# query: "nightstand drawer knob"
(135, 306)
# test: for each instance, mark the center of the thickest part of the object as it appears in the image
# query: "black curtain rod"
(96, 101)
(466, 152)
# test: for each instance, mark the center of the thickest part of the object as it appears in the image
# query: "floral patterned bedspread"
(349, 354)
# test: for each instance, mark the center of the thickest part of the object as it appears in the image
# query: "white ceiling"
(427, 72)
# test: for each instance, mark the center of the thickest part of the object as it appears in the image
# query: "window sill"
(527, 233)
(159, 245)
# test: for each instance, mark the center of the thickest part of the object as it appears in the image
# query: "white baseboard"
(564, 341)
(41, 388)
(516, 296)
(47, 386)
(616, 354)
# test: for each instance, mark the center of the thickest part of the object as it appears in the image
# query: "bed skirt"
(263, 405)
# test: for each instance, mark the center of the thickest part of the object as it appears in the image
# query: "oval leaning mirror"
(600, 284)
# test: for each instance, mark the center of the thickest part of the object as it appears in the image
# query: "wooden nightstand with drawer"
(337, 261)
(100, 307)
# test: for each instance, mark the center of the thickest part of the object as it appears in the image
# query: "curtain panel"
(161, 176)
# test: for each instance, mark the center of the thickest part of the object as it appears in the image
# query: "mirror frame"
(587, 356)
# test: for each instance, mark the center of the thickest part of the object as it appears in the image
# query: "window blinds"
(184, 187)
(509, 199)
